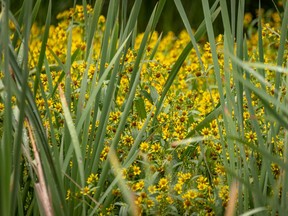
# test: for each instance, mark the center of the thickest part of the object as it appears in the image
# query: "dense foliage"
(137, 123)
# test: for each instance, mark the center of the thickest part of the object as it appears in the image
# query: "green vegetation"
(99, 119)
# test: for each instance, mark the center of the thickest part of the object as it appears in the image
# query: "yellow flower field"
(182, 161)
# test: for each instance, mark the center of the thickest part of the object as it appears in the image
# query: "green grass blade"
(260, 43)
(233, 17)
(280, 54)
(35, 11)
(34, 118)
(95, 91)
(19, 23)
(128, 195)
(135, 148)
(176, 67)
(93, 25)
(133, 85)
(111, 18)
(283, 164)
(7, 136)
(189, 29)
(260, 92)
(114, 41)
(84, 4)
(255, 125)
(144, 41)
(158, 13)
(155, 47)
(239, 86)
(17, 34)
(22, 103)
(140, 108)
(43, 47)
(117, 135)
(229, 125)
(74, 136)
(205, 122)
(284, 178)
(61, 67)
(254, 211)
(132, 20)
(226, 22)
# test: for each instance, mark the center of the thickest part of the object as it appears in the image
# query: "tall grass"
(54, 160)
(53, 166)
(256, 182)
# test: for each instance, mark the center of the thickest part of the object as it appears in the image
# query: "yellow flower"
(251, 136)
(116, 192)
(85, 191)
(128, 140)
(68, 194)
(202, 179)
(216, 181)
(144, 146)
(140, 185)
(136, 170)
(218, 148)
(124, 173)
(275, 169)
(202, 186)
(206, 132)
(159, 197)
(187, 203)
(104, 153)
(143, 195)
(163, 184)
(169, 199)
(93, 178)
(138, 201)
(155, 147)
(190, 194)
(152, 189)
(178, 188)
(247, 18)
(224, 194)
(114, 116)
(149, 203)
(101, 19)
(276, 17)
(1, 107)
(219, 169)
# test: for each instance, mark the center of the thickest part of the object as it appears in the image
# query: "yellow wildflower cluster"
(199, 179)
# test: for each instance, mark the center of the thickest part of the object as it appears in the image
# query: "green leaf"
(154, 94)
(43, 47)
(74, 136)
(140, 107)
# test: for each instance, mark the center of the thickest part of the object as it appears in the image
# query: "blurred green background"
(170, 19)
